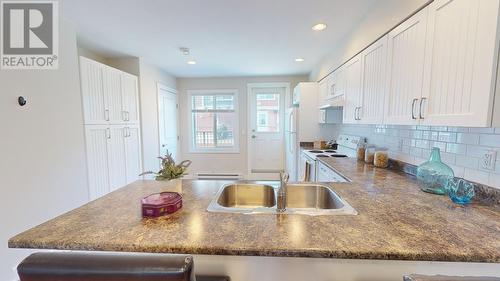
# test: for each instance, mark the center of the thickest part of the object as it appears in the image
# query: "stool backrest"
(85, 266)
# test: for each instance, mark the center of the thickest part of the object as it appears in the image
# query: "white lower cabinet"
(113, 157)
(97, 137)
(326, 174)
(133, 153)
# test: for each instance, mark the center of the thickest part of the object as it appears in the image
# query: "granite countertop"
(396, 221)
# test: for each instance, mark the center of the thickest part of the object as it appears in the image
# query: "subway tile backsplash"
(461, 148)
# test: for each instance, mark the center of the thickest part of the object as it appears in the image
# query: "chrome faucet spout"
(281, 204)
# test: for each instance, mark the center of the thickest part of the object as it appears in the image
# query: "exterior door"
(405, 69)
(167, 121)
(266, 129)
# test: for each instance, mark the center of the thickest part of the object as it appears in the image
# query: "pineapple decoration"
(169, 170)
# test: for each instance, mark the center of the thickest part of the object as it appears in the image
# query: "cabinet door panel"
(352, 75)
(117, 158)
(405, 69)
(460, 60)
(97, 160)
(130, 98)
(323, 90)
(94, 102)
(133, 153)
(113, 93)
(374, 85)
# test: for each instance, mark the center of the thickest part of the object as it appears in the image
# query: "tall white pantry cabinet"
(112, 132)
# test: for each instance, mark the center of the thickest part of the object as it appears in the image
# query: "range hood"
(336, 102)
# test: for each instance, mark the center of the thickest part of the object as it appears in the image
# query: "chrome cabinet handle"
(359, 114)
(124, 115)
(108, 133)
(356, 113)
(413, 108)
(420, 109)
(106, 114)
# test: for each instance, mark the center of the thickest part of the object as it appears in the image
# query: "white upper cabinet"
(323, 90)
(130, 96)
(110, 96)
(460, 65)
(113, 92)
(405, 70)
(373, 91)
(352, 75)
(95, 105)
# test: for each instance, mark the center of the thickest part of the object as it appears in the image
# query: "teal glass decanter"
(433, 175)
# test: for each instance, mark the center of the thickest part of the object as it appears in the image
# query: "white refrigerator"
(301, 124)
(291, 143)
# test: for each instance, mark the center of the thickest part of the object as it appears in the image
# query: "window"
(214, 120)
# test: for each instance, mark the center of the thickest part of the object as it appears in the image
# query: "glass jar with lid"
(360, 150)
(381, 158)
(369, 154)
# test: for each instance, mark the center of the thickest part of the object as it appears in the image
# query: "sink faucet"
(282, 191)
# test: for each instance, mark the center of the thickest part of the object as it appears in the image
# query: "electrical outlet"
(488, 161)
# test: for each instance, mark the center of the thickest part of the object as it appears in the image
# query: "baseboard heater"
(218, 176)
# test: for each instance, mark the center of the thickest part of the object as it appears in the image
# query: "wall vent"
(218, 176)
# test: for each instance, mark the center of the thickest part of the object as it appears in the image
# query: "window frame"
(223, 92)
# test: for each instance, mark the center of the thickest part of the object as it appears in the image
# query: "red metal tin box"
(160, 204)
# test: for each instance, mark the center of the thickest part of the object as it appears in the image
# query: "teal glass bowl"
(460, 191)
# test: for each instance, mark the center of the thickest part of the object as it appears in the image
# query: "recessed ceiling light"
(319, 27)
(299, 59)
(191, 62)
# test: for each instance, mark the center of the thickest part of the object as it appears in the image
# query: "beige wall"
(385, 15)
(221, 163)
(42, 148)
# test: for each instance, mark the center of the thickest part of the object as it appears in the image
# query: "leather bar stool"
(419, 277)
(85, 266)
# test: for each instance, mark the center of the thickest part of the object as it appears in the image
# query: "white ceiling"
(226, 37)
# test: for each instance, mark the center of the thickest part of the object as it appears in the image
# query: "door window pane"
(268, 112)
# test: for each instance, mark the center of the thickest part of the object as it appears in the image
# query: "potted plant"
(170, 171)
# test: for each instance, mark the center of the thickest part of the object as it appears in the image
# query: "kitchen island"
(396, 221)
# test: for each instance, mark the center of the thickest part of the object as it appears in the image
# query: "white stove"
(309, 159)
(317, 153)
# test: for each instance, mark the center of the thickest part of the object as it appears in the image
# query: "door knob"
(253, 137)
(163, 145)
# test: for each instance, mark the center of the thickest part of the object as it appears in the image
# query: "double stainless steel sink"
(301, 198)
